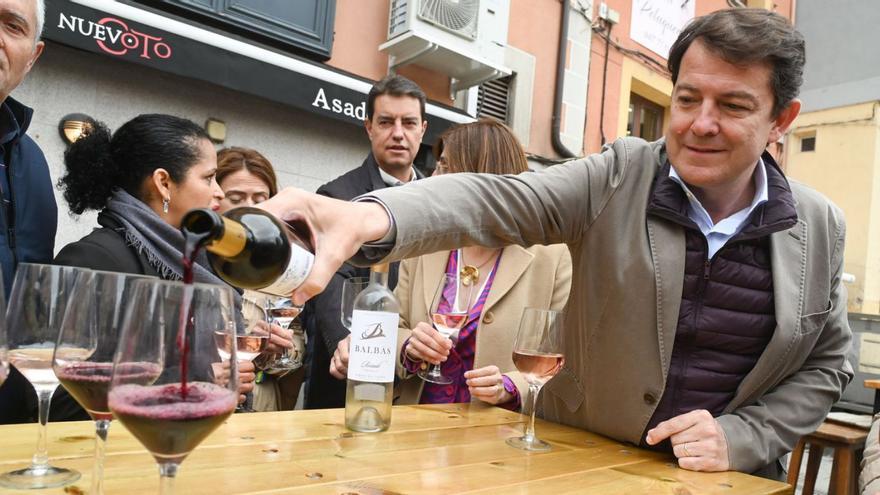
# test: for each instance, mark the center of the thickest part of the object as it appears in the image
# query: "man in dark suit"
(28, 213)
(395, 125)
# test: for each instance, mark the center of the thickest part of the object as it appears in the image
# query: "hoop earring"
(165, 203)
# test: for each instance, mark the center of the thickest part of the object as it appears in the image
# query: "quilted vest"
(727, 313)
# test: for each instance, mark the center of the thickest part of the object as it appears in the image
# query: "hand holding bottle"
(338, 228)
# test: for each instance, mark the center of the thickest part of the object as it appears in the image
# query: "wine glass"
(449, 312)
(351, 287)
(40, 294)
(250, 340)
(538, 355)
(172, 327)
(281, 311)
(92, 321)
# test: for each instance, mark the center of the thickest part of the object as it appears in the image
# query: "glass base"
(35, 478)
(532, 445)
(434, 376)
(283, 364)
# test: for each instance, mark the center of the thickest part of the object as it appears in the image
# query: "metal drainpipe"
(560, 81)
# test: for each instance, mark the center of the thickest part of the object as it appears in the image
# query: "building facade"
(834, 145)
(289, 78)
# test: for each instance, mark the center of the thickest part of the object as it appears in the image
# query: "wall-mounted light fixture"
(74, 125)
(216, 129)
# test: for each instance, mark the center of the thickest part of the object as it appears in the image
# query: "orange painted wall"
(620, 35)
(534, 28)
(361, 26)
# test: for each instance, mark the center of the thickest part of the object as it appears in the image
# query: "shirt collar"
(9, 127)
(734, 222)
(392, 181)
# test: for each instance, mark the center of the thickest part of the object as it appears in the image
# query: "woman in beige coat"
(504, 281)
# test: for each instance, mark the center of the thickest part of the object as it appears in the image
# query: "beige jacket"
(869, 477)
(538, 277)
(626, 291)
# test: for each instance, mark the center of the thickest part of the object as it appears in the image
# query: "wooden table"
(457, 448)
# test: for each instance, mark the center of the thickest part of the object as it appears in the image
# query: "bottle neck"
(379, 277)
(231, 242)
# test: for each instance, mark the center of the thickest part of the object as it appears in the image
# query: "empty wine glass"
(172, 327)
(351, 287)
(449, 312)
(92, 321)
(39, 296)
(538, 355)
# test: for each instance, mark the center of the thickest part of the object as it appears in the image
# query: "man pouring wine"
(707, 315)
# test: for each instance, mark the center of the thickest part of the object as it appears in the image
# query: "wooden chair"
(848, 443)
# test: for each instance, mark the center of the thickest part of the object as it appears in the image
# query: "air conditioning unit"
(464, 39)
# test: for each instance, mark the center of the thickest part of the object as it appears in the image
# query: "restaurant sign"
(113, 36)
(657, 23)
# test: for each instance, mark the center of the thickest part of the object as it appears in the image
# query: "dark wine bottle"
(251, 249)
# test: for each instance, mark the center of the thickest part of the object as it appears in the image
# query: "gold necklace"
(469, 273)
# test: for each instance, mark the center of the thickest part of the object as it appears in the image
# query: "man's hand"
(487, 384)
(339, 362)
(697, 440)
(426, 344)
(338, 229)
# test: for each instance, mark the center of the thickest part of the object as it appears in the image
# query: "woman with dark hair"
(142, 179)
(506, 280)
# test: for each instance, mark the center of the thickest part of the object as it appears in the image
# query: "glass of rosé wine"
(448, 313)
(538, 355)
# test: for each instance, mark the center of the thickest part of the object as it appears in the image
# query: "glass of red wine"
(449, 312)
(39, 297)
(538, 355)
(174, 326)
(92, 321)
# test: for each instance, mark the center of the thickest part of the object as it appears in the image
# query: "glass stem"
(167, 472)
(529, 435)
(41, 456)
(102, 426)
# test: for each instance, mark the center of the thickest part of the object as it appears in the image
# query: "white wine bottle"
(251, 249)
(371, 360)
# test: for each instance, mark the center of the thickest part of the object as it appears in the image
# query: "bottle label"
(371, 353)
(294, 275)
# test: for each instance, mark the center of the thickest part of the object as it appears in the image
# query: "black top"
(322, 315)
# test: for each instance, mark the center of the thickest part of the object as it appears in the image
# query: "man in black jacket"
(28, 213)
(395, 125)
